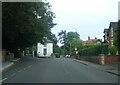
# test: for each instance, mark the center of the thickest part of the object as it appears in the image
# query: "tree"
(63, 39)
(25, 24)
(69, 40)
(115, 39)
(118, 36)
(73, 38)
(75, 43)
(72, 35)
(52, 37)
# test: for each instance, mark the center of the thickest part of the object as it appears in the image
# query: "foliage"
(62, 37)
(115, 39)
(93, 49)
(52, 37)
(57, 55)
(25, 24)
(33, 48)
(113, 50)
(72, 35)
(70, 41)
(58, 50)
(75, 43)
(118, 36)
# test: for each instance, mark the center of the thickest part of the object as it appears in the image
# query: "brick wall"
(7, 56)
(101, 59)
(111, 59)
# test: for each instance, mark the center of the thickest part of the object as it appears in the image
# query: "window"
(45, 45)
(45, 51)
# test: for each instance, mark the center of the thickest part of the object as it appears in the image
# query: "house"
(45, 50)
(106, 34)
(91, 41)
(109, 33)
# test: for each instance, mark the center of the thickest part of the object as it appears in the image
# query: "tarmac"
(6, 65)
(110, 68)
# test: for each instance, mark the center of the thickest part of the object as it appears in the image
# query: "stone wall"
(101, 59)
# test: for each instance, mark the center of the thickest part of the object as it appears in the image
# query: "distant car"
(67, 56)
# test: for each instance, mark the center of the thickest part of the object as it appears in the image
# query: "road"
(55, 70)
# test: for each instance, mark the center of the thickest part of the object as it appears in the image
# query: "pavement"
(6, 65)
(110, 68)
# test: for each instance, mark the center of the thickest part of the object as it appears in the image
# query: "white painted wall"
(41, 47)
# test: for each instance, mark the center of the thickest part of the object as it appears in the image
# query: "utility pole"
(76, 45)
(70, 48)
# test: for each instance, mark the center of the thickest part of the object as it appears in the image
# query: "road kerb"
(98, 68)
(6, 67)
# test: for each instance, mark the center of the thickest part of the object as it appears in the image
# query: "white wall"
(40, 49)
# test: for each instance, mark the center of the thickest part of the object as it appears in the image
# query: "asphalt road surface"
(55, 70)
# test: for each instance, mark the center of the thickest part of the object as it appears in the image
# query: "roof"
(113, 25)
(106, 30)
(91, 41)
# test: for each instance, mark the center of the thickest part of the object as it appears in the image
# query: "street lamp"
(76, 51)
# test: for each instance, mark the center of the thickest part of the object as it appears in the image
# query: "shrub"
(113, 50)
(94, 49)
(57, 55)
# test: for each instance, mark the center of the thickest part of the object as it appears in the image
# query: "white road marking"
(29, 66)
(24, 68)
(19, 70)
(3, 79)
(13, 74)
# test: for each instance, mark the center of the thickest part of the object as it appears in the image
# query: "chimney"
(95, 37)
(88, 37)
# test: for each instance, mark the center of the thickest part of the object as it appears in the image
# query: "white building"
(45, 50)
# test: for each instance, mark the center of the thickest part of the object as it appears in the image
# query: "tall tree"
(63, 38)
(25, 24)
(71, 35)
(52, 37)
(118, 37)
(71, 40)
(75, 43)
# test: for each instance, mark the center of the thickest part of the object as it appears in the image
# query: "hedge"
(113, 50)
(94, 49)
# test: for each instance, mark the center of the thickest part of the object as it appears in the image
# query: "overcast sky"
(89, 17)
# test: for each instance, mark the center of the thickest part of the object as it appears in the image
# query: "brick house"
(109, 33)
(91, 41)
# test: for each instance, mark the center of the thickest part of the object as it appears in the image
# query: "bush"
(18, 54)
(94, 49)
(113, 50)
(118, 36)
(57, 55)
